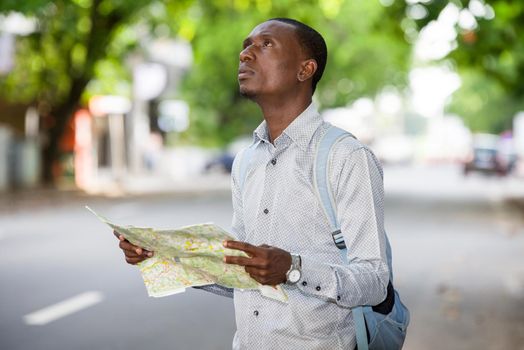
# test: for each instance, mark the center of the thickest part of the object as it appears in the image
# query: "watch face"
(294, 276)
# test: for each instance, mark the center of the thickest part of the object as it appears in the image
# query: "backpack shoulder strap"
(321, 172)
(321, 175)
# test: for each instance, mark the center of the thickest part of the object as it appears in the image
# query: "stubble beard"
(246, 93)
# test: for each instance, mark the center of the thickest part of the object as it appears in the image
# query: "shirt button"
(255, 312)
(338, 297)
(273, 161)
(318, 288)
(304, 283)
(266, 211)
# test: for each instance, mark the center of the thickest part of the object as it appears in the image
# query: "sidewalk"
(152, 185)
(43, 197)
(428, 182)
(447, 181)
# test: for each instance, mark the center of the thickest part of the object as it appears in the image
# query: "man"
(278, 219)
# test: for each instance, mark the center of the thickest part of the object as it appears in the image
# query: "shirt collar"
(300, 131)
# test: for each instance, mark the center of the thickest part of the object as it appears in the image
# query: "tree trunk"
(61, 114)
(96, 44)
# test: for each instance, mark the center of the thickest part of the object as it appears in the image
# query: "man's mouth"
(244, 73)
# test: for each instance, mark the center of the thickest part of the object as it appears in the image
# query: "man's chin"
(244, 92)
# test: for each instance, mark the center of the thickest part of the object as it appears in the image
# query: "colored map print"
(188, 256)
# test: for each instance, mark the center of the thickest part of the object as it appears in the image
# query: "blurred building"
(127, 135)
(116, 137)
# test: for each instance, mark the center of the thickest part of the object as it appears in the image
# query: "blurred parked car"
(223, 162)
(490, 155)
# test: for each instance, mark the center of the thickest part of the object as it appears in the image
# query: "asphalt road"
(457, 256)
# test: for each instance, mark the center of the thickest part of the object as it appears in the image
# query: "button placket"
(265, 200)
(268, 191)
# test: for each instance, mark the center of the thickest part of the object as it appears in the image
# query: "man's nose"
(247, 54)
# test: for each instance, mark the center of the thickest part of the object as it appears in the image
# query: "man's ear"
(307, 70)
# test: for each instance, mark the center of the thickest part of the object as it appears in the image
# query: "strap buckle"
(338, 238)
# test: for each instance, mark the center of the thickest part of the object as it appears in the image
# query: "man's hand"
(133, 254)
(266, 264)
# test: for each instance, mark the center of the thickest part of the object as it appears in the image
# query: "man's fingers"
(238, 260)
(143, 252)
(246, 247)
(132, 250)
(125, 245)
(134, 260)
(243, 261)
(119, 236)
(131, 254)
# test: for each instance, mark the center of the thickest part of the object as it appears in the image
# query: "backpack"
(386, 328)
(380, 327)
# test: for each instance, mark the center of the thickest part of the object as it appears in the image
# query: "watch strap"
(296, 265)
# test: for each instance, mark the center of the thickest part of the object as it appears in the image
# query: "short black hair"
(312, 42)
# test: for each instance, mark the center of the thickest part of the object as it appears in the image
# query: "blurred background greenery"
(66, 52)
(132, 107)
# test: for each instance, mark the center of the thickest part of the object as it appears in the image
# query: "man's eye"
(268, 43)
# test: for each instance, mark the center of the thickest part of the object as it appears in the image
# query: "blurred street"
(457, 249)
(137, 110)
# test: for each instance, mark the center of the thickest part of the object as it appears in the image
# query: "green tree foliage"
(55, 64)
(484, 103)
(366, 52)
(83, 45)
(490, 60)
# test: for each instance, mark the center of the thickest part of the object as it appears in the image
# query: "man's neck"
(279, 114)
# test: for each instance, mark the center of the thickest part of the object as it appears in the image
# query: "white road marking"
(63, 308)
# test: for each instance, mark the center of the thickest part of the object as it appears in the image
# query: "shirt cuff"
(318, 279)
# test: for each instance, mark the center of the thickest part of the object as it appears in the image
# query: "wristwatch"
(295, 271)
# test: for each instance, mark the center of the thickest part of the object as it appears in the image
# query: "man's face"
(270, 60)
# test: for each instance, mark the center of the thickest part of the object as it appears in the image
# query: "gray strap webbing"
(332, 136)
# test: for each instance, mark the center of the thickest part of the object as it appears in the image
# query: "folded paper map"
(187, 257)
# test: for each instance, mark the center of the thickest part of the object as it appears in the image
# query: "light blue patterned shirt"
(278, 206)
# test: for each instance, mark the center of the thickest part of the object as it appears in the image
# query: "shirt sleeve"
(359, 197)
(217, 289)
